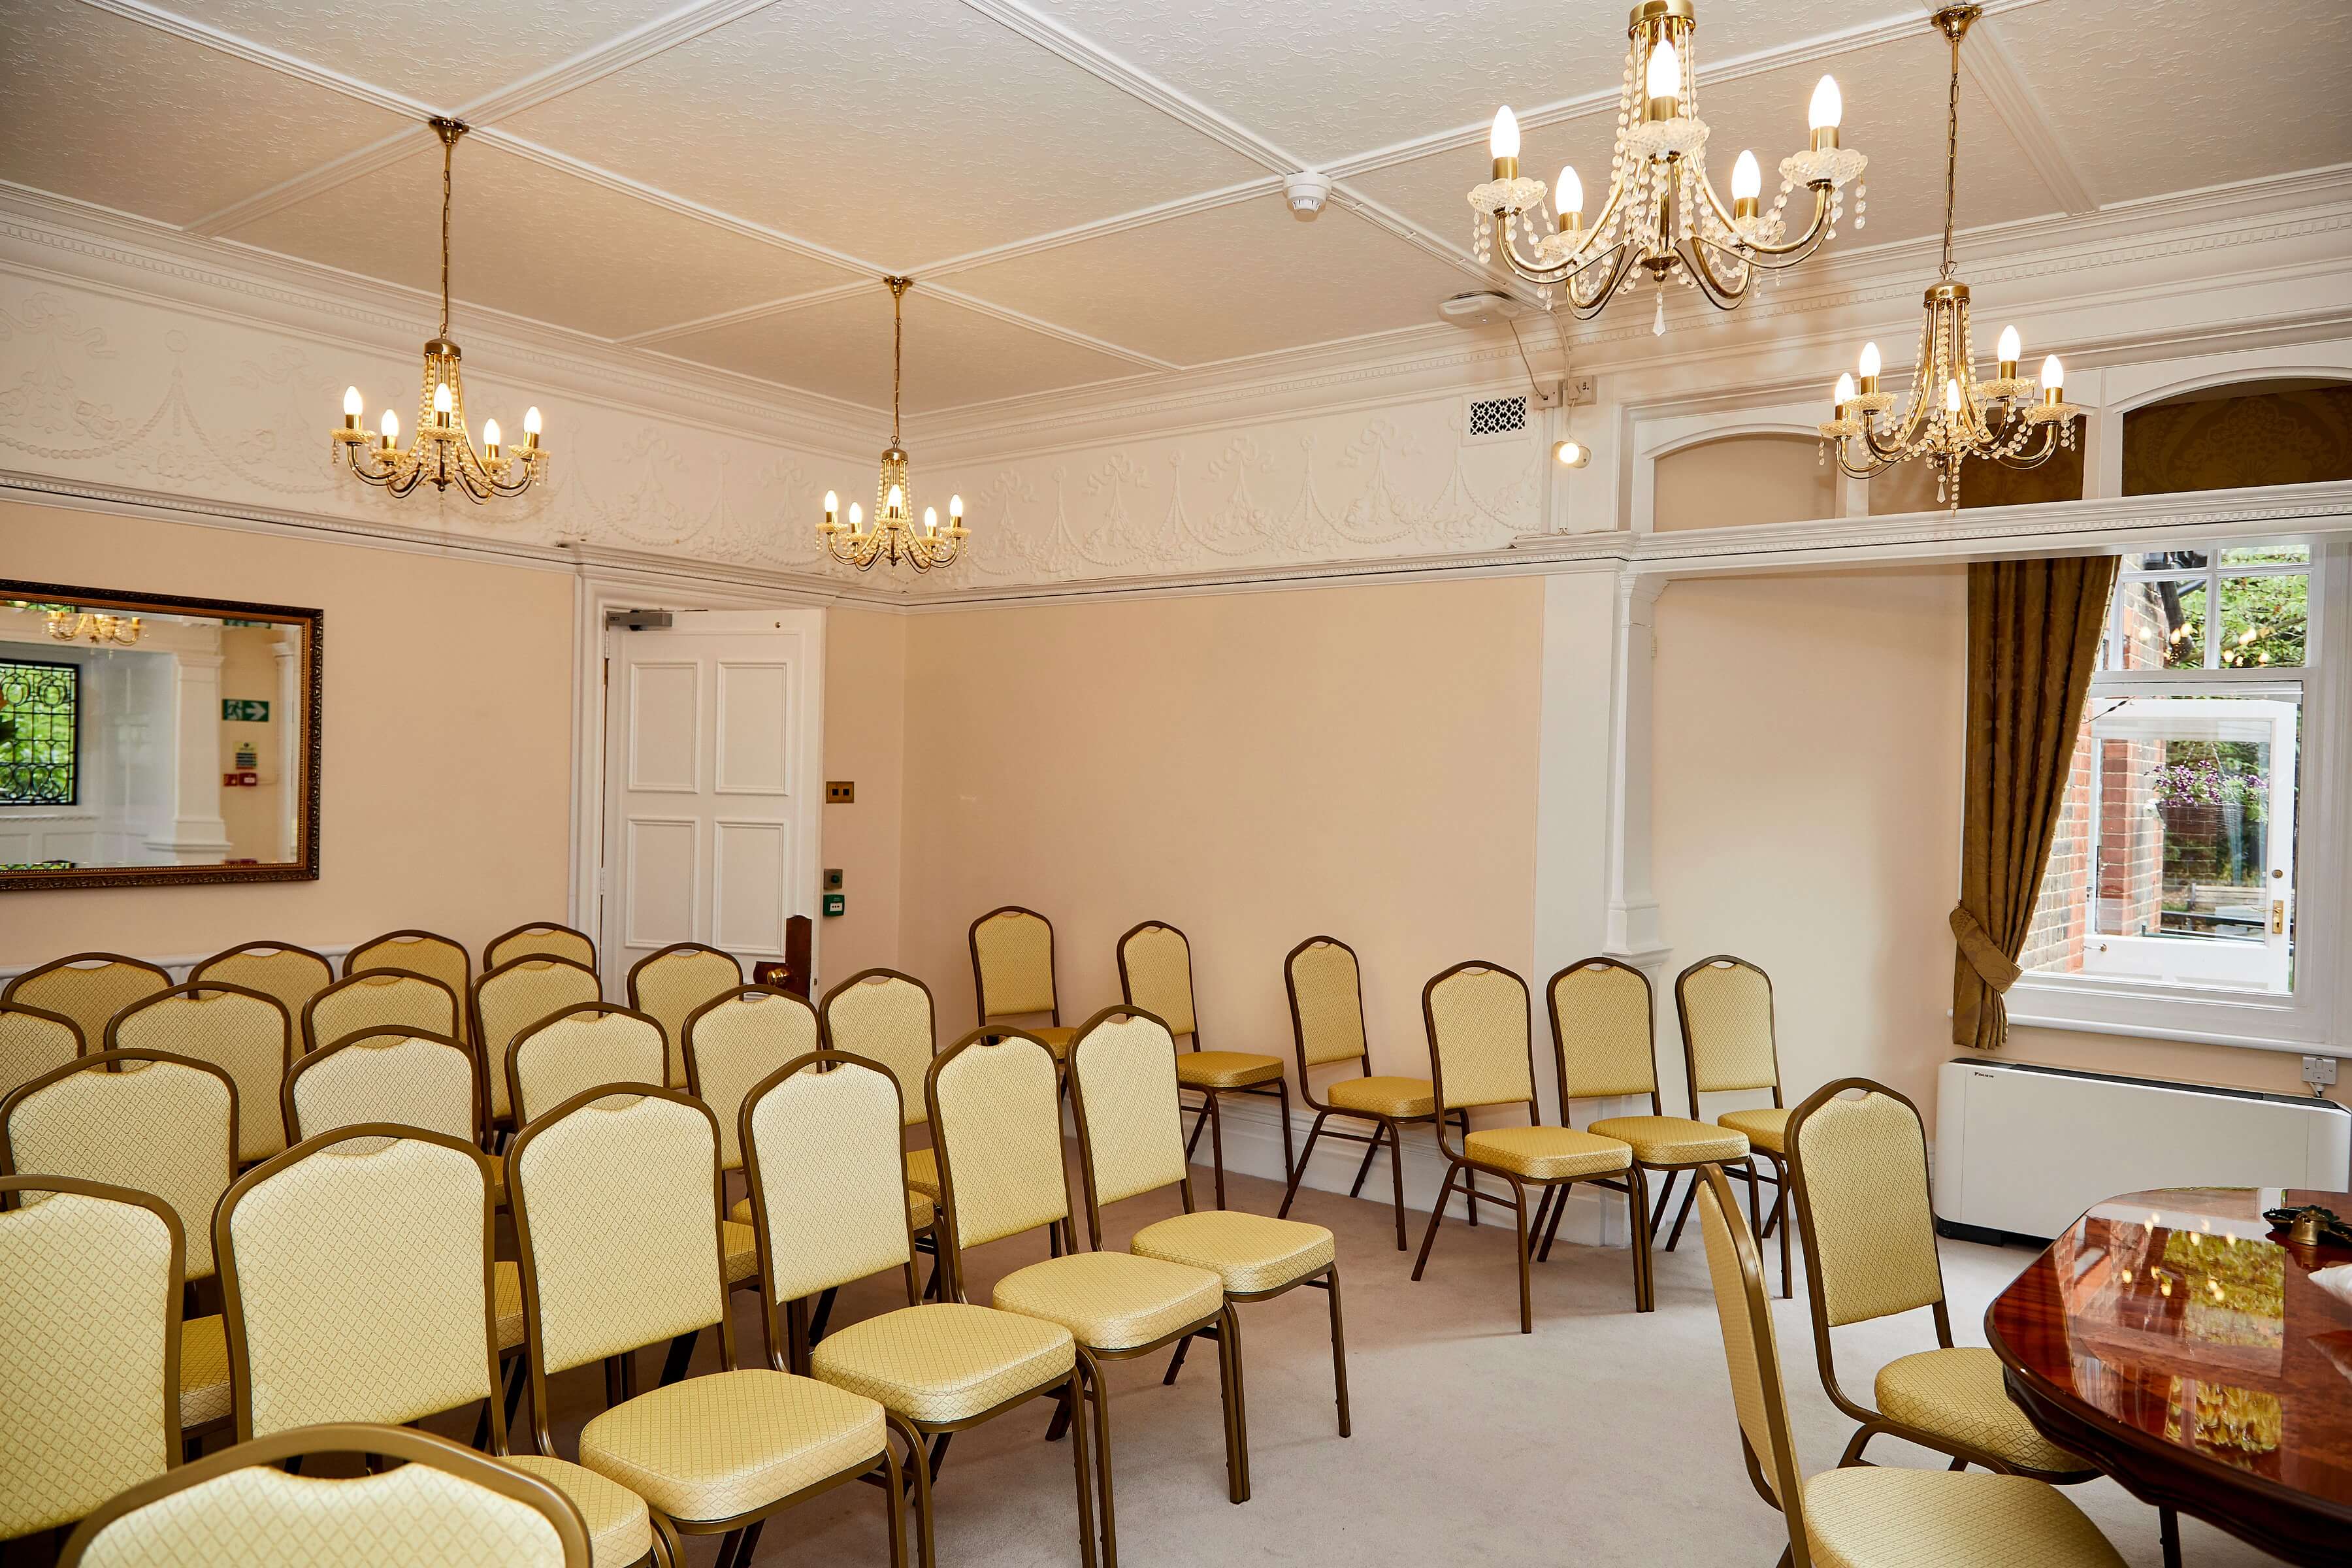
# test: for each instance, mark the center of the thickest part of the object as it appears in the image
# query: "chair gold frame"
(1054, 1034)
(741, 1529)
(34, 1040)
(282, 968)
(381, 984)
(791, 1335)
(261, 1131)
(1755, 1133)
(425, 953)
(103, 991)
(658, 962)
(400, 1443)
(83, 1455)
(290, 1096)
(1094, 1390)
(1211, 1112)
(1610, 1157)
(539, 939)
(1385, 1124)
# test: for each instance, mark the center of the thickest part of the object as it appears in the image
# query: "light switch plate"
(839, 792)
(833, 878)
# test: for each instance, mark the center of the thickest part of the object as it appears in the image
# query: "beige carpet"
(1605, 1437)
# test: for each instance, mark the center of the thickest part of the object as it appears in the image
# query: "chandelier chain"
(1952, 149)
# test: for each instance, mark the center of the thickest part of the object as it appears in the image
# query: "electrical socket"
(2319, 1072)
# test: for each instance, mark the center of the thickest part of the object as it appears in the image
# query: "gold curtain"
(2033, 640)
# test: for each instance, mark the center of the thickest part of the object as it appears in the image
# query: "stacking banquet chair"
(419, 952)
(243, 1033)
(356, 1273)
(1725, 1008)
(510, 999)
(444, 1506)
(1327, 1022)
(578, 1047)
(886, 1016)
(1013, 974)
(1606, 1045)
(32, 1041)
(1155, 973)
(380, 998)
(670, 983)
(820, 1137)
(1480, 1054)
(89, 988)
(90, 1346)
(413, 1077)
(1866, 1516)
(616, 1200)
(539, 939)
(292, 975)
(1858, 1182)
(1132, 1142)
(153, 1124)
(995, 1110)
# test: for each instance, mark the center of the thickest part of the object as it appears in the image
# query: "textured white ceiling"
(1085, 188)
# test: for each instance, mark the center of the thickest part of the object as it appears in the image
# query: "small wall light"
(1571, 453)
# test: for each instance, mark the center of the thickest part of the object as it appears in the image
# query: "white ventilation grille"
(1497, 418)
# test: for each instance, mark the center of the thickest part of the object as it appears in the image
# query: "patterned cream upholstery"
(618, 1198)
(1156, 963)
(1765, 1126)
(735, 1042)
(292, 975)
(203, 1371)
(885, 1017)
(1547, 1153)
(1125, 1070)
(418, 953)
(1403, 1098)
(510, 999)
(923, 1171)
(1250, 1252)
(825, 1157)
(1728, 1010)
(920, 1213)
(996, 1117)
(1959, 1393)
(669, 985)
(1866, 1172)
(33, 1042)
(551, 1061)
(243, 1033)
(1013, 955)
(1056, 1038)
(1226, 1070)
(1478, 1034)
(539, 940)
(160, 1127)
(416, 1080)
(416, 1516)
(620, 1531)
(1673, 1140)
(380, 999)
(945, 1362)
(92, 1291)
(721, 1445)
(1602, 1013)
(1738, 1276)
(1111, 1301)
(1327, 990)
(89, 988)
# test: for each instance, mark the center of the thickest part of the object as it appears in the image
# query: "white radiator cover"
(2025, 1149)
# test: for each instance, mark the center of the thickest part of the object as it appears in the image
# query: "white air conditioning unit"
(2022, 1150)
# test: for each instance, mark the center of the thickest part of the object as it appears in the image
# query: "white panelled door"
(713, 752)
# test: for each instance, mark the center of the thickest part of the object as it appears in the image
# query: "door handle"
(2278, 917)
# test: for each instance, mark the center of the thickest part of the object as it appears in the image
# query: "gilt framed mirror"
(147, 739)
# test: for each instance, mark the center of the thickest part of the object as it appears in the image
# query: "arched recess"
(2231, 431)
(1740, 475)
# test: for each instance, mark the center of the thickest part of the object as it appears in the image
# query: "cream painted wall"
(1254, 768)
(1744, 479)
(865, 743)
(447, 744)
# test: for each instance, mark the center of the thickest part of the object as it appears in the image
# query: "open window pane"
(2262, 621)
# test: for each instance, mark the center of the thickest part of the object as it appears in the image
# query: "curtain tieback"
(1994, 967)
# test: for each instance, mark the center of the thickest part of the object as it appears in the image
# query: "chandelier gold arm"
(1536, 270)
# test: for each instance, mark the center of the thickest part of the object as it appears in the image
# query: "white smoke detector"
(1482, 308)
(1307, 191)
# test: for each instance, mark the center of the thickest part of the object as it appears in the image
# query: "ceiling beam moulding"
(1141, 217)
(653, 337)
(1993, 69)
(212, 38)
(1064, 334)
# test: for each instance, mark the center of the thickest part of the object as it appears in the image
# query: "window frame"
(73, 795)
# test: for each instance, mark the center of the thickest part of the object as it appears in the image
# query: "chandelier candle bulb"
(1822, 115)
(2053, 382)
(1844, 393)
(441, 403)
(1951, 396)
(1663, 83)
(1567, 199)
(2013, 348)
(1870, 366)
(930, 520)
(1503, 144)
(1746, 185)
(531, 426)
(390, 427)
(490, 439)
(352, 409)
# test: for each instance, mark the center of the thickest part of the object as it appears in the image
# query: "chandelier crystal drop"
(442, 451)
(1949, 416)
(66, 623)
(893, 537)
(1662, 217)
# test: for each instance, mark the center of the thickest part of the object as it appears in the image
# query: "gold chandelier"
(1949, 416)
(442, 451)
(67, 624)
(1662, 217)
(893, 538)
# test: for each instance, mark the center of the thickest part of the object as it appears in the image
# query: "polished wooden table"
(2173, 1340)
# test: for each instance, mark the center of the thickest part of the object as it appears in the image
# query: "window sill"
(2195, 1014)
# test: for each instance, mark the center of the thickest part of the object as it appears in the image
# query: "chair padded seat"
(1960, 1393)
(921, 1212)
(742, 1248)
(1547, 1153)
(203, 1371)
(506, 1298)
(923, 1172)
(1398, 1097)
(1057, 1038)
(1112, 1300)
(1225, 1069)
(945, 1362)
(620, 1531)
(1886, 1516)
(1250, 1252)
(1673, 1140)
(716, 1446)
(1767, 1126)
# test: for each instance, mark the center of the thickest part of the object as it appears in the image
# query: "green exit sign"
(244, 710)
(836, 904)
